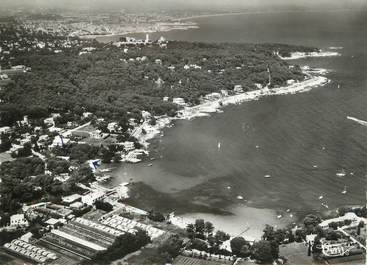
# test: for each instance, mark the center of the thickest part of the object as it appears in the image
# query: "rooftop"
(78, 240)
(71, 198)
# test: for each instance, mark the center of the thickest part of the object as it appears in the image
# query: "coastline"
(301, 55)
(142, 31)
(146, 132)
(314, 78)
(248, 12)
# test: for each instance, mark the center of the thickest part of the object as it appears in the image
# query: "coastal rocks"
(300, 55)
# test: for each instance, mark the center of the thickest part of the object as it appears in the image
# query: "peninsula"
(71, 105)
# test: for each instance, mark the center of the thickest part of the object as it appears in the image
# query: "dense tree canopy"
(115, 84)
(17, 186)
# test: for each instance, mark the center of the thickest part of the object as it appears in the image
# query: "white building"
(128, 146)
(213, 96)
(97, 134)
(18, 220)
(145, 114)
(59, 141)
(76, 205)
(178, 101)
(92, 197)
(161, 39)
(71, 198)
(52, 222)
(87, 114)
(238, 89)
(310, 239)
(224, 92)
(259, 86)
(112, 126)
(26, 237)
(5, 129)
(49, 121)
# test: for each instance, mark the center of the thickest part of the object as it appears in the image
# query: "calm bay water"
(301, 140)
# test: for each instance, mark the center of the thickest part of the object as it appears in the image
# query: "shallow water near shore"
(244, 222)
(300, 140)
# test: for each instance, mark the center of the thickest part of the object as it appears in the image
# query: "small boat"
(105, 170)
(314, 166)
(229, 187)
(325, 205)
(267, 176)
(344, 190)
(219, 145)
(288, 210)
(279, 216)
(257, 147)
(321, 197)
(291, 215)
(341, 173)
(338, 86)
(149, 165)
(239, 197)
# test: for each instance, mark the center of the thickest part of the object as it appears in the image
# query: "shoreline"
(215, 106)
(314, 78)
(248, 12)
(302, 55)
(149, 31)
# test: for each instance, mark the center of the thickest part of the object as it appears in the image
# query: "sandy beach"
(246, 221)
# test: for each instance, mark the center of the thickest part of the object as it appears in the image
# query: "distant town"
(73, 108)
(86, 24)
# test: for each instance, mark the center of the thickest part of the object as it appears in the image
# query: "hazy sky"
(179, 4)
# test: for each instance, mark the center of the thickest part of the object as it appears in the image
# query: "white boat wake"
(361, 122)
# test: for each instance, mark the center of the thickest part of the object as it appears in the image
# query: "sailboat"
(345, 190)
(341, 173)
(218, 146)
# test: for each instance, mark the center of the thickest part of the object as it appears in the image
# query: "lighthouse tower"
(147, 38)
